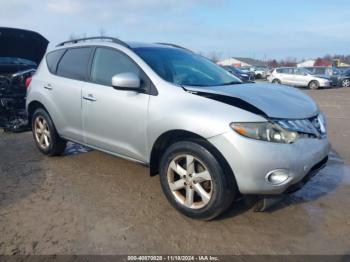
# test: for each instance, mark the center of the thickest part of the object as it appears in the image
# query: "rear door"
(287, 76)
(115, 120)
(65, 87)
(300, 78)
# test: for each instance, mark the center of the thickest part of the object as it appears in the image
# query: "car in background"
(246, 77)
(20, 53)
(261, 72)
(320, 70)
(295, 76)
(342, 79)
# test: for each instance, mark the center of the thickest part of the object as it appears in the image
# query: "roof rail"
(173, 45)
(112, 39)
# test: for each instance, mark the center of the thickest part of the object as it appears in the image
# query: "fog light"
(277, 177)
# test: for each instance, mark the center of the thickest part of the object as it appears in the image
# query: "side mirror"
(126, 81)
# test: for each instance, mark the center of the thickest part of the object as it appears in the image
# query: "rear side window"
(53, 58)
(74, 63)
(287, 70)
(107, 63)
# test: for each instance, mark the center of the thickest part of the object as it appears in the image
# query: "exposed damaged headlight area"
(265, 131)
(283, 130)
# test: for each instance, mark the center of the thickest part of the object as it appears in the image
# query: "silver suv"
(296, 76)
(208, 136)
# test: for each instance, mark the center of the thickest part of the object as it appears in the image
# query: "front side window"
(299, 71)
(74, 63)
(183, 67)
(108, 63)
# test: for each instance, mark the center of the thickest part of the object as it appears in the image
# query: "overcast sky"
(254, 28)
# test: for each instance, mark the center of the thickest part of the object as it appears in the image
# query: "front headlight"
(265, 131)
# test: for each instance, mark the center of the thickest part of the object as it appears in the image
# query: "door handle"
(48, 87)
(90, 97)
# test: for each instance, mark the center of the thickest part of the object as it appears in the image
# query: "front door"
(114, 120)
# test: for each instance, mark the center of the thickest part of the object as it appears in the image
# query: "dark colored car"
(342, 79)
(246, 77)
(20, 53)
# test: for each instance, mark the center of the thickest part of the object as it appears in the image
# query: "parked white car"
(298, 77)
(261, 72)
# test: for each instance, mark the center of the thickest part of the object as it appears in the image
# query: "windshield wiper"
(232, 83)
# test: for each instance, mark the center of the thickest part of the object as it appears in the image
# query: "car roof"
(150, 45)
(111, 41)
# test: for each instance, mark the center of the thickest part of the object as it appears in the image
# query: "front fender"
(192, 113)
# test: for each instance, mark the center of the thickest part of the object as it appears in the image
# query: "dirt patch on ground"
(88, 202)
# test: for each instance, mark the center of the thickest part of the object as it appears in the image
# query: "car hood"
(323, 76)
(22, 43)
(273, 101)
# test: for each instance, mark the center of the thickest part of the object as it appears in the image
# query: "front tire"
(345, 83)
(45, 134)
(194, 182)
(276, 81)
(313, 85)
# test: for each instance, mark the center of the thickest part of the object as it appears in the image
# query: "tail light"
(28, 80)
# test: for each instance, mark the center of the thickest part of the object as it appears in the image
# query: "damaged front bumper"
(253, 162)
(266, 202)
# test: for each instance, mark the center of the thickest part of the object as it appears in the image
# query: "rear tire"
(276, 81)
(194, 182)
(313, 85)
(345, 83)
(45, 135)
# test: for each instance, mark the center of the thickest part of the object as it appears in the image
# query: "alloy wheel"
(42, 132)
(190, 181)
(346, 83)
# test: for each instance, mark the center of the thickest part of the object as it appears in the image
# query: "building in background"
(242, 62)
(307, 63)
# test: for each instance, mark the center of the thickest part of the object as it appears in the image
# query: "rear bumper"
(252, 160)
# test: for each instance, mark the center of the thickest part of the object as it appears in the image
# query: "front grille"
(314, 126)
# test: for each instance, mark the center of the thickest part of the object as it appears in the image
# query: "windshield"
(15, 61)
(183, 67)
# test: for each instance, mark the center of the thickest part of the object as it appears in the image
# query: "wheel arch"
(32, 107)
(173, 136)
(313, 80)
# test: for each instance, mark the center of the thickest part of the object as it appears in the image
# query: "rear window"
(53, 58)
(285, 70)
(74, 63)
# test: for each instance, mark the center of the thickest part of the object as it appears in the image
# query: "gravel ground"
(88, 202)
